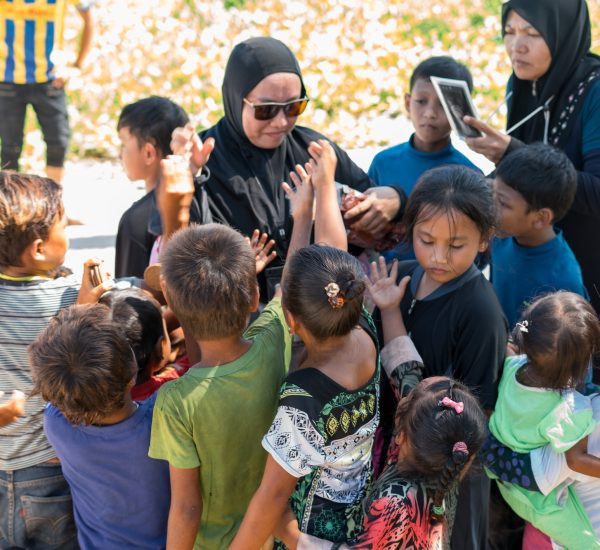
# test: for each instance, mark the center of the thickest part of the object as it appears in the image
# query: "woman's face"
(275, 88)
(527, 49)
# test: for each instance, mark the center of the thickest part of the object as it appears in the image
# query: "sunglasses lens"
(265, 112)
(296, 108)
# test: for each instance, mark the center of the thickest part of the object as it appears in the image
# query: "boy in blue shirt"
(534, 188)
(430, 145)
(83, 365)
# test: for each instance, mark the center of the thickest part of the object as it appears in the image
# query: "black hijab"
(244, 189)
(565, 26)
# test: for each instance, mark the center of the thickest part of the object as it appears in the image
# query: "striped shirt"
(30, 30)
(26, 306)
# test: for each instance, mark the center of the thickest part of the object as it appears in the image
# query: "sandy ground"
(98, 192)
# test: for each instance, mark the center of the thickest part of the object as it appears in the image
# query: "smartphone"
(95, 275)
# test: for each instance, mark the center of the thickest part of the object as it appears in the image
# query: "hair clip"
(523, 326)
(334, 297)
(457, 406)
(460, 447)
(438, 510)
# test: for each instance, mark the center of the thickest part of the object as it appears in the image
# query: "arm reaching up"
(329, 224)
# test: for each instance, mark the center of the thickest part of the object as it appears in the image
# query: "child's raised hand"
(262, 250)
(323, 163)
(91, 289)
(185, 142)
(302, 198)
(385, 292)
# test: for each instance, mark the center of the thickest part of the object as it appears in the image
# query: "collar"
(446, 288)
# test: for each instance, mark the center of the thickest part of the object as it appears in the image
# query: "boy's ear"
(407, 103)
(150, 153)
(543, 218)
(35, 251)
(255, 300)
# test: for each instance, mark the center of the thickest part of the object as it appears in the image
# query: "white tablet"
(456, 100)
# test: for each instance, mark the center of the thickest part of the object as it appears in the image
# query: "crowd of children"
(310, 420)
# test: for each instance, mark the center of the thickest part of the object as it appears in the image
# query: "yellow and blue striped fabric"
(29, 31)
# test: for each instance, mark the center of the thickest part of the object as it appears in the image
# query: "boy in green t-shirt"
(209, 423)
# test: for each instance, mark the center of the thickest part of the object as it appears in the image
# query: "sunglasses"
(267, 111)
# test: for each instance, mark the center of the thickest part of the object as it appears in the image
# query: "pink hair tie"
(457, 406)
(460, 447)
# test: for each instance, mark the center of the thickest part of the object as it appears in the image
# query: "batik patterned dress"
(323, 435)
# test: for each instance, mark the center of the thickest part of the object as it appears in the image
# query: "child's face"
(514, 217)
(137, 162)
(54, 247)
(432, 129)
(446, 245)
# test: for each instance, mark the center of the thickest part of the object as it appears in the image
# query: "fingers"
(360, 208)
(403, 283)
(480, 125)
(286, 188)
(304, 176)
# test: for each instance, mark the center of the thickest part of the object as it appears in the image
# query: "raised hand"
(186, 143)
(322, 163)
(262, 250)
(302, 198)
(385, 292)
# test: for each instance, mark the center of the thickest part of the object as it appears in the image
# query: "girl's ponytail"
(448, 478)
(444, 427)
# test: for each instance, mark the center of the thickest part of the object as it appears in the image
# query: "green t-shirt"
(214, 419)
(527, 418)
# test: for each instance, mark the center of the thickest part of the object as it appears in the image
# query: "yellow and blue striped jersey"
(29, 31)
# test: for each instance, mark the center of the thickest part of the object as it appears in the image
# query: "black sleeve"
(348, 173)
(587, 198)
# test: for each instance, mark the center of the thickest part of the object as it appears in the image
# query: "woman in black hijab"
(555, 98)
(257, 145)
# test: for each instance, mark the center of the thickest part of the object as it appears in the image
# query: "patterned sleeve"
(403, 365)
(293, 442)
(508, 465)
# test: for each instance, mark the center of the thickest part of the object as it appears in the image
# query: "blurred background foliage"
(356, 59)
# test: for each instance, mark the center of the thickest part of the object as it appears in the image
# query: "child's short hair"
(441, 438)
(141, 321)
(543, 175)
(560, 334)
(448, 188)
(82, 364)
(152, 120)
(442, 66)
(210, 274)
(308, 273)
(29, 207)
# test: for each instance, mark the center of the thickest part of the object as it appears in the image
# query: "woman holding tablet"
(554, 96)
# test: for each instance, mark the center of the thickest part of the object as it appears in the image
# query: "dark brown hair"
(82, 364)
(140, 319)
(29, 207)
(560, 334)
(307, 274)
(448, 189)
(432, 431)
(210, 275)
